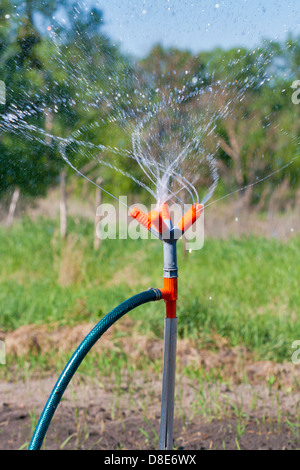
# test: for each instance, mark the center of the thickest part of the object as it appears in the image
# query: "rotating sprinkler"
(159, 223)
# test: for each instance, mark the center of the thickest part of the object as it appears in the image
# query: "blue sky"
(197, 25)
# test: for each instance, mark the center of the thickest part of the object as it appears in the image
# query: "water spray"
(160, 224)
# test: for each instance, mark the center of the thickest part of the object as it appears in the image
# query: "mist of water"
(171, 147)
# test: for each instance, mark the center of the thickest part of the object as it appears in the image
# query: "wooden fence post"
(63, 205)
(97, 239)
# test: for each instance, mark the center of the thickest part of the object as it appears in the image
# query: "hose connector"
(157, 292)
(169, 293)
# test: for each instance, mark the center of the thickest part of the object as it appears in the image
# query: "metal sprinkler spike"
(160, 224)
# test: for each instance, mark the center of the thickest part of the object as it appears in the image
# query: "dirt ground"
(252, 405)
(90, 423)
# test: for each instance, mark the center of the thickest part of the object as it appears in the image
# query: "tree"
(24, 165)
(53, 92)
(254, 119)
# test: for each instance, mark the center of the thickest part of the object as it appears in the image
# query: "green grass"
(245, 290)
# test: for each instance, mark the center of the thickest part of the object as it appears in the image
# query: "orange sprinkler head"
(153, 220)
(159, 221)
(156, 220)
(140, 216)
(190, 217)
(165, 212)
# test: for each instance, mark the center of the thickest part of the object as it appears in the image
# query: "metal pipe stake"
(168, 385)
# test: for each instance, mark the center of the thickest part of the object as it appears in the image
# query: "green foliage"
(48, 85)
(245, 291)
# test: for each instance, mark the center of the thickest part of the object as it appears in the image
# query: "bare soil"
(252, 405)
(86, 419)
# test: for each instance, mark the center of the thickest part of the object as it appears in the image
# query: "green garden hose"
(79, 355)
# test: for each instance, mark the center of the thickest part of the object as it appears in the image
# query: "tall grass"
(244, 290)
